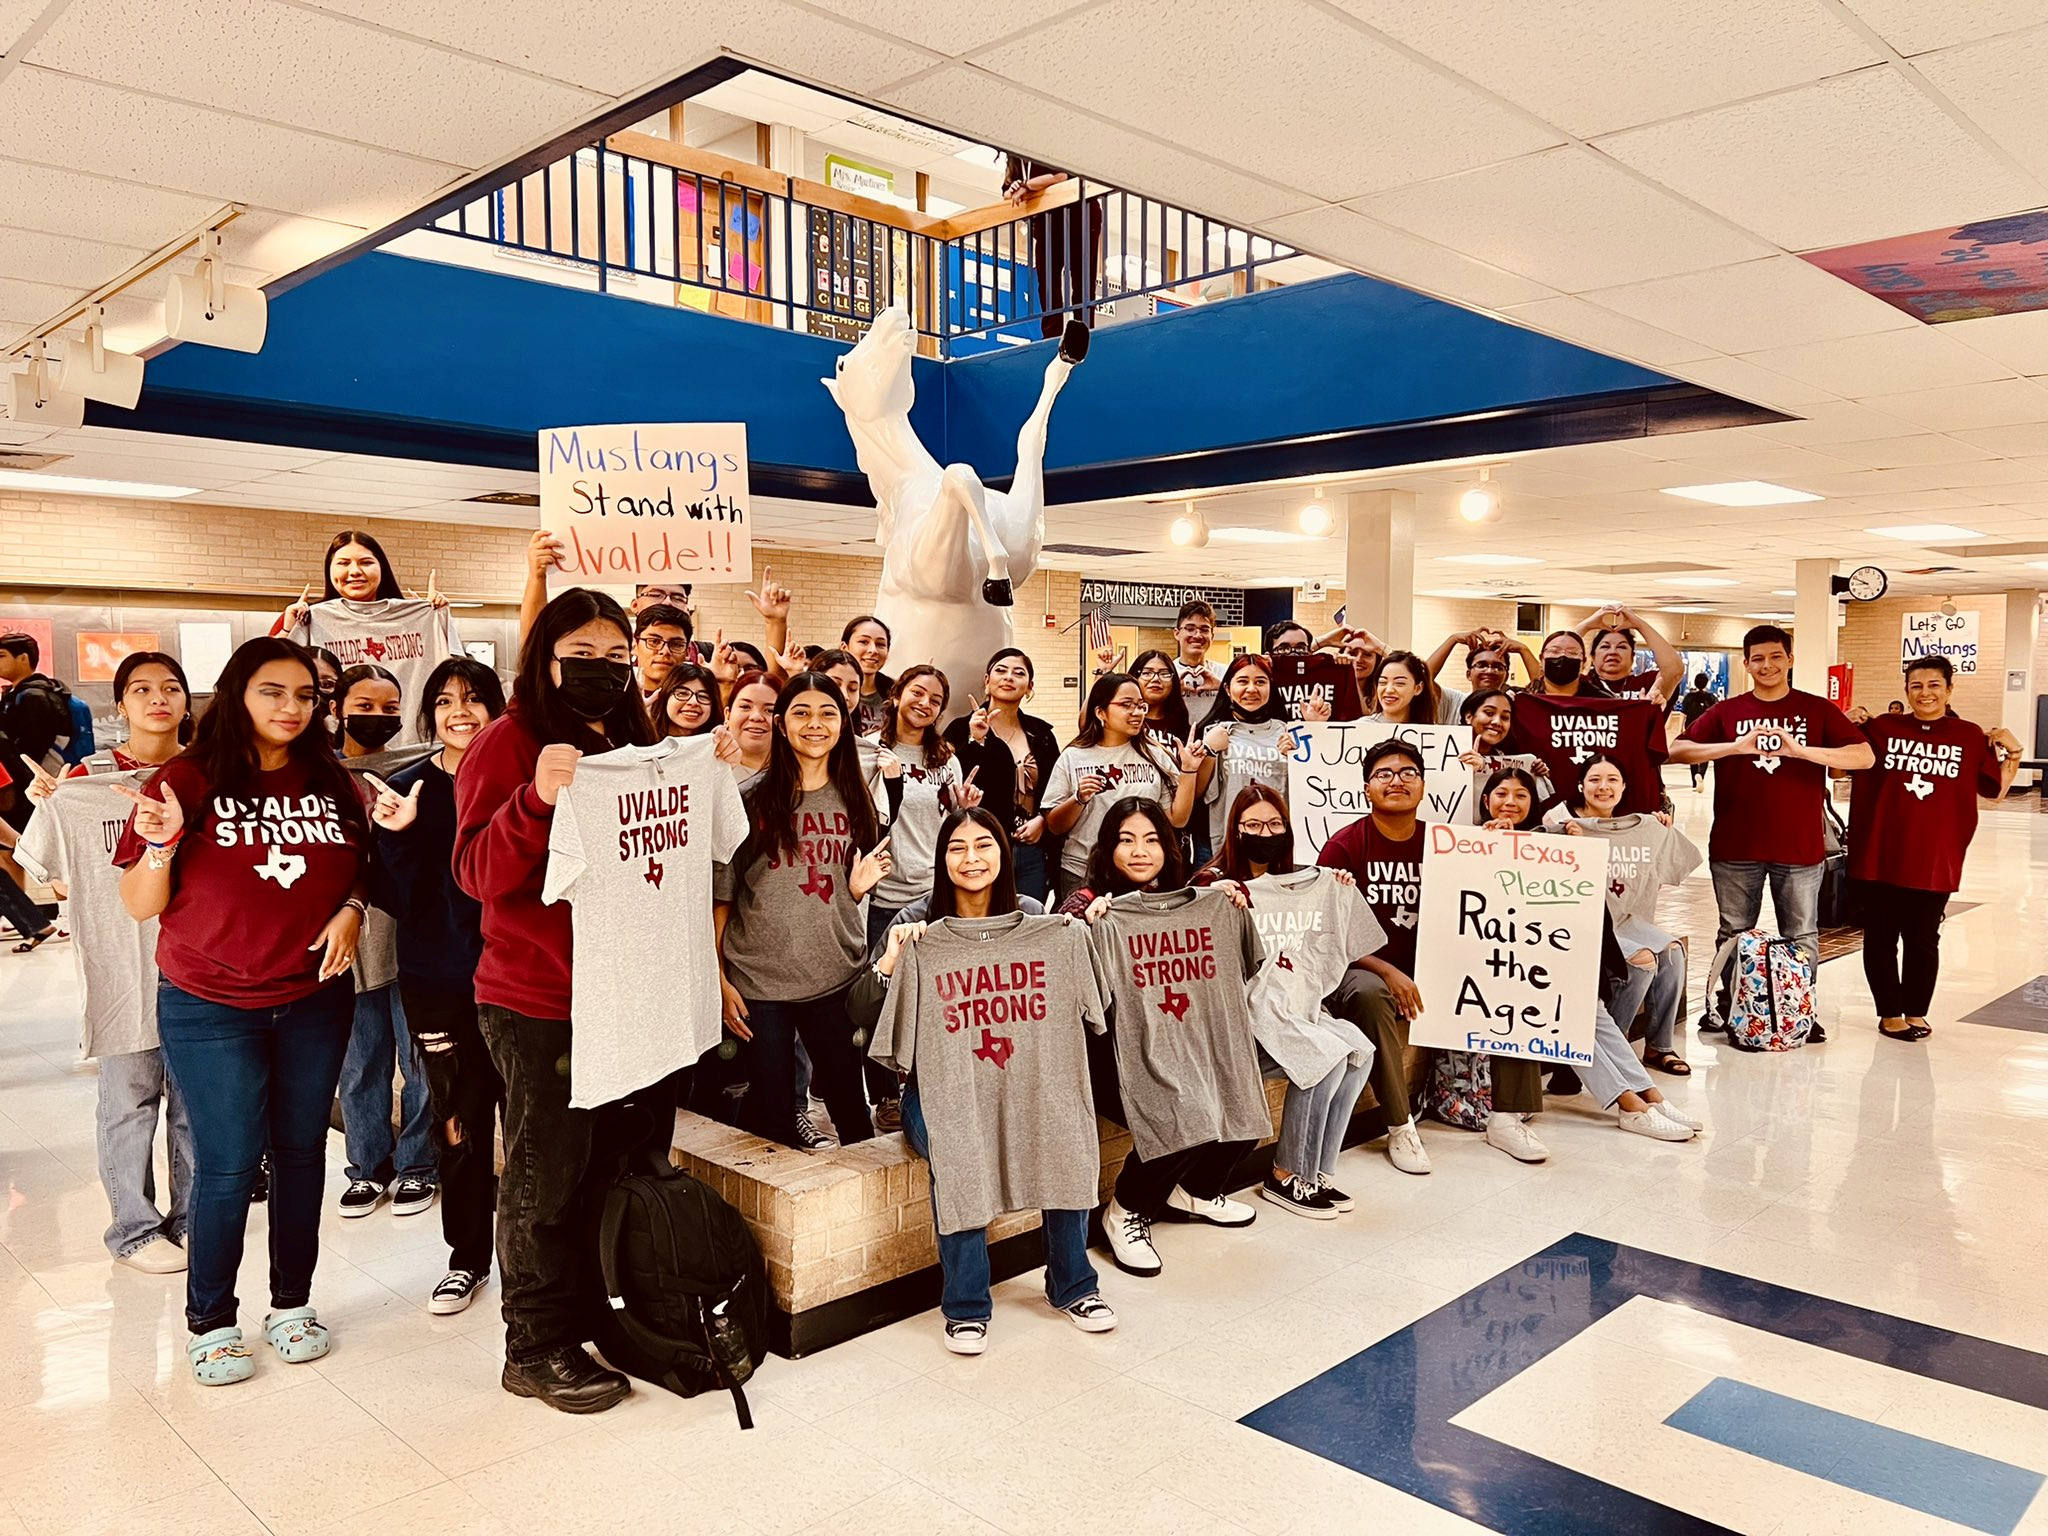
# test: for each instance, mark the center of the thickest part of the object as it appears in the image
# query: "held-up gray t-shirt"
(1312, 926)
(989, 1014)
(71, 838)
(1257, 754)
(795, 932)
(1173, 966)
(408, 637)
(914, 833)
(1643, 856)
(1150, 772)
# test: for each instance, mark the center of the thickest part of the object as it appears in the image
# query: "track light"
(1190, 530)
(1481, 503)
(1316, 518)
(35, 399)
(210, 310)
(113, 378)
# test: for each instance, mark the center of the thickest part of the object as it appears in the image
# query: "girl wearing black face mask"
(574, 695)
(1564, 668)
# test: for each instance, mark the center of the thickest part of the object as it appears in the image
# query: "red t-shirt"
(1912, 813)
(1565, 732)
(256, 878)
(1389, 876)
(1767, 810)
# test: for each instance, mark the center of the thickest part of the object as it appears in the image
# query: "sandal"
(1668, 1062)
(49, 935)
(296, 1334)
(220, 1358)
(1910, 1032)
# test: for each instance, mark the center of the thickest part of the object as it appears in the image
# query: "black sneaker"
(1339, 1201)
(1298, 1195)
(360, 1198)
(259, 1192)
(456, 1291)
(1712, 1023)
(1815, 1035)
(966, 1338)
(1564, 1082)
(413, 1194)
(809, 1137)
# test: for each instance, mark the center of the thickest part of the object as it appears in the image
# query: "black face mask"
(1562, 669)
(1263, 847)
(593, 685)
(372, 732)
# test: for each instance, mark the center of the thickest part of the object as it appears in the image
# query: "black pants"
(28, 918)
(558, 1164)
(1066, 253)
(1896, 919)
(1143, 1186)
(466, 1093)
(1699, 772)
(770, 1106)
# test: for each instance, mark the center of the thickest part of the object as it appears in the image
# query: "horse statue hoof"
(997, 594)
(1074, 342)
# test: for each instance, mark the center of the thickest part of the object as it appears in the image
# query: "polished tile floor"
(1887, 1182)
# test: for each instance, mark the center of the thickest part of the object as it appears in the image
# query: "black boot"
(568, 1381)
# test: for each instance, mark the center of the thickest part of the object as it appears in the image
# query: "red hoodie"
(501, 853)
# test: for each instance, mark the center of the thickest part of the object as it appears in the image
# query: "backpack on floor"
(1460, 1089)
(686, 1290)
(1772, 992)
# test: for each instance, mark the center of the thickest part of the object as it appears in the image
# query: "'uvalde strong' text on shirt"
(654, 821)
(275, 819)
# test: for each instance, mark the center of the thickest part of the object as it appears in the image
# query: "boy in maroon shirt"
(1772, 748)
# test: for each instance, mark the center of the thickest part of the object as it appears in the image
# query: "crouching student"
(1007, 1103)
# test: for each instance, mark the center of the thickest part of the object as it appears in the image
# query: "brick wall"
(1870, 640)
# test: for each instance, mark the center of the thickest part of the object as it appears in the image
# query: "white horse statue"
(953, 550)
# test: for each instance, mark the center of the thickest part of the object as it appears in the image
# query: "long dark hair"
(1105, 879)
(1580, 808)
(1002, 896)
(883, 682)
(387, 579)
(1173, 714)
(483, 684)
(1422, 708)
(688, 672)
(547, 719)
(1090, 734)
(1225, 710)
(363, 672)
(772, 799)
(1230, 862)
(224, 745)
(135, 660)
(1527, 780)
(937, 750)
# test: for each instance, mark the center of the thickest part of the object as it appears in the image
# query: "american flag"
(1098, 629)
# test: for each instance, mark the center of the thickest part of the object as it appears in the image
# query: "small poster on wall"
(1953, 635)
(485, 651)
(101, 652)
(203, 649)
(651, 501)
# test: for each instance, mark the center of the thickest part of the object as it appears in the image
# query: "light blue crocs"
(220, 1358)
(296, 1334)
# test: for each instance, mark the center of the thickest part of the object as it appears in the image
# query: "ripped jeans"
(465, 1091)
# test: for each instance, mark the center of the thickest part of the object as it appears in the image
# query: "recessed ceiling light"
(80, 485)
(1458, 592)
(1741, 493)
(1258, 536)
(1489, 560)
(2037, 565)
(1687, 608)
(1784, 591)
(1698, 581)
(1925, 533)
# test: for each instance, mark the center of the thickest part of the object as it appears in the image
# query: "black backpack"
(687, 1293)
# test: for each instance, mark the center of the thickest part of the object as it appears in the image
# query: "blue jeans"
(132, 1092)
(963, 1256)
(378, 1043)
(1033, 878)
(1661, 984)
(1313, 1121)
(253, 1079)
(1795, 903)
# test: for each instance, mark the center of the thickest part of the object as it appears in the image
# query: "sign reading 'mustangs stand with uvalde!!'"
(654, 501)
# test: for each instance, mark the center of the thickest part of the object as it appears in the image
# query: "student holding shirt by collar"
(1114, 758)
(1011, 752)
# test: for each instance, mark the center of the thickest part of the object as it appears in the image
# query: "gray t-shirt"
(1643, 856)
(914, 831)
(1311, 926)
(1173, 966)
(631, 849)
(1257, 754)
(795, 932)
(1150, 772)
(407, 637)
(989, 1014)
(1448, 702)
(71, 838)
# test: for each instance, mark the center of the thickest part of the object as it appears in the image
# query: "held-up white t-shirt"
(631, 849)
(408, 637)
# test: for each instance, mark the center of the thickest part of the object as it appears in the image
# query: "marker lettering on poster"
(1326, 775)
(637, 501)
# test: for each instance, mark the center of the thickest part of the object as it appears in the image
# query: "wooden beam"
(675, 123)
(1061, 195)
(698, 162)
(818, 195)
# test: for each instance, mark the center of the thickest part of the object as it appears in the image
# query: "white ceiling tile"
(1779, 301)
(29, 304)
(1999, 85)
(1959, 407)
(1568, 217)
(1343, 236)
(948, 29)
(1302, 66)
(60, 259)
(1832, 421)
(2020, 440)
(1746, 381)
(1898, 452)
(1887, 160)
(1921, 357)
(1592, 68)
(1916, 26)
(2018, 341)
(121, 213)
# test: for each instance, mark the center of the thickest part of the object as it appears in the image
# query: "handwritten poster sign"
(1953, 635)
(1507, 954)
(1326, 775)
(652, 501)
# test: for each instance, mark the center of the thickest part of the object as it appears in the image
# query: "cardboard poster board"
(648, 501)
(1326, 776)
(1954, 635)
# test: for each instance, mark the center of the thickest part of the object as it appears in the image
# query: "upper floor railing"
(667, 223)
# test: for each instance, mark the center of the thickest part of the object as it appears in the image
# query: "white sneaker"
(967, 1338)
(1512, 1135)
(1091, 1314)
(1405, 1150)
(1647, 1122)
(1130, 1240)
(1219, 1212)
(158, 1256)
(1671, 1111)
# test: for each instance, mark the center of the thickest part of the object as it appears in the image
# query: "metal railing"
(637, 213)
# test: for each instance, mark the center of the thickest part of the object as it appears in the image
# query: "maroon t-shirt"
(1301, 678)
(1767, 810)
(1912, 813)
(1389, 876)
(256, 878)
(1566, 732)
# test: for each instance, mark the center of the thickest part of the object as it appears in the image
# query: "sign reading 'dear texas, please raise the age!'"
(1507, 954)
(660, 501)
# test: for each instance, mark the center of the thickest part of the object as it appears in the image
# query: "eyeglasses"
(1156, 675)
(691, 696)
(1291, 649)
(675, 596)
(665, 647)
(1394, 776)
(1261, 828)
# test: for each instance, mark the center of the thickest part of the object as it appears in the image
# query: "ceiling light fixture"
(1499, 560)
(113, 378)
(1784, 591)
(1699, 581)
(1458, 592)
(1926, 533)
(206, 308)
(1741, 493)
(1481, 503)
(81, 485)
(1190, 530)
(34, 398)
(1317, 520)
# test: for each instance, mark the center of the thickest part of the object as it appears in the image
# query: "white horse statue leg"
(952, 550)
